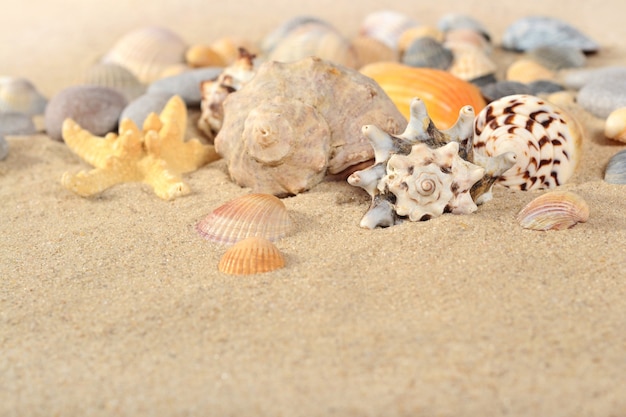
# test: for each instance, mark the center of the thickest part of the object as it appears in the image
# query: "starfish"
(156, 155)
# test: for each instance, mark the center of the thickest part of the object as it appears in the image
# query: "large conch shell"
(295, 123)
(546, 140)
(425, 172)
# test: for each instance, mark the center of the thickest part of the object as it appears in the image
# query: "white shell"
(555, 210)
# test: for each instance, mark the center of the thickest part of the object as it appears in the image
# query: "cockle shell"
(469, 62)
(555, 210)
(387, 26)
(534, 31)
(147, 52)
(253, 255)
(314, 39)
(615, 125)
(260, 215)
(443, 93)
(116, 77)
(294, 123)
(545, 139)
(615, 172)
(20, 95)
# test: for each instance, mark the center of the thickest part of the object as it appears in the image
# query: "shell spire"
(425, 172)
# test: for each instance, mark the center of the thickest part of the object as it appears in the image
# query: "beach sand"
(113, 305)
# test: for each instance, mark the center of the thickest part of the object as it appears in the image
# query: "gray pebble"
(186, 85)
(427, 52)
(576, 79)
(544, 87)
(501, 89)
(95, 109)
(535, 31)
(601, 96)
(16, 124)
(142, 106)
(615, 172)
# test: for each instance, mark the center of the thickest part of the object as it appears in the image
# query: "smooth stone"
(139, 109)
(544, 87)
(96, 109)
(615, 172)
(186, 84)
(576, 79)
(601, 96)
(536, 31)
(499, 89)
(427, 53)
(4, 148)
(16, 124)
(558, 57)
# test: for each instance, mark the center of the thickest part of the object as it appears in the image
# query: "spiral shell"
(545, 140)
(555, 210)
(253, 255)
(443, 93)
(260, 215)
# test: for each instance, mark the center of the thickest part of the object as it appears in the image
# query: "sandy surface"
(113, 305)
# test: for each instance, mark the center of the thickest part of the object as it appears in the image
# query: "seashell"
(186, 85)
(314, 39)
(527, 70)
(228, 48)
(387, 26)
(148, 52)
(427, 52)
(277, 35)
(254, 255)
(456, 21)
(555, 210)
(200, 56)
(116, 77)
(577, 78)
(546, 141)
(603, 96)
(370, 50)
(251, 215)
(535, 31)
(416, 32)
(96, 109)
(443, 93)
(557, 57)
(294, 123)
(615, 172)
(615, 125)
(20, 95)
(470, 62)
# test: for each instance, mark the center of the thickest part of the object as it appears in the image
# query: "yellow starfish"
(157, 155)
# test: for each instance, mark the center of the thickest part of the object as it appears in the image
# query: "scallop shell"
(545, 139)
(116, 77)
(555, 210)
(369, 50)
(253, 255)
(429, 53)
(443, 93)
(20, 95)
(534, 31)
(387, 26)
(295, 123)
(148, 52)
(615, 125)
(314, 39)
(260, 215)
(615, 172)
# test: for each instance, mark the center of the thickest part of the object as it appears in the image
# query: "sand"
(114, 306)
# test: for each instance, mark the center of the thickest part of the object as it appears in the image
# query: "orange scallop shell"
(260, 215)
(253, 255)
(443, 93)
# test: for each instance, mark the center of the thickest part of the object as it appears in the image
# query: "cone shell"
(546, 141)
(148, 52)
(443, 93)
(253, 255)
(260, 215)
(556, 210)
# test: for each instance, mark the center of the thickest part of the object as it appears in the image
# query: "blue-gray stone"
(139, 109)
(186, 84)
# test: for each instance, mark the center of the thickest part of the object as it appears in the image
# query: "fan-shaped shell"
(314, 39)
(443, 93)
(615, 172)
(116, 77)
(555, 210)
(260, 215)
(545, 140)
(20, 95)
(148, 52)
(253, 255)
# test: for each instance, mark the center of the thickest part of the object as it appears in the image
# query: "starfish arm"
(190, 156)
(87, 183)
(166, 184)
(93, 149)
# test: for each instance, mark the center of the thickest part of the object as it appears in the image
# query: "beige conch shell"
(295, 123)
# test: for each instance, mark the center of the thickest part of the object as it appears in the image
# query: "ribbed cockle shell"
(253, 255)
(261, 215)
(555, 210)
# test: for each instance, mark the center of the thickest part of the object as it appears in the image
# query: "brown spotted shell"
(544, 138)
(555, 210)
(253, 255)
(261, 215)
